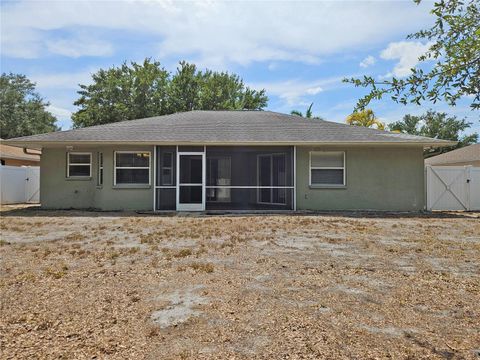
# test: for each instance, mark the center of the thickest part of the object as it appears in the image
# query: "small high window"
(132, 167)
(79, 164)
(327, 168)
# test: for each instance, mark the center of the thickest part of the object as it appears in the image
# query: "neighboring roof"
(226, 127)
(12, 152)
(463, 155)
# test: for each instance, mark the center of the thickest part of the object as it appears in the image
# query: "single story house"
(230, 160)
(13, 156)
(468, 155)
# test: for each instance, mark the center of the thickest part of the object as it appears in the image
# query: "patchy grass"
(208, 267)
(183, 253)
(85, 285)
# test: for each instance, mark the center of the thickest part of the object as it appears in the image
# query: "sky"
(299, 51)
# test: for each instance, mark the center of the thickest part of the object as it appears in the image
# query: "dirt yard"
(83, 285)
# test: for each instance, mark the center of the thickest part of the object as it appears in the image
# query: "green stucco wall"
(377, 178)
(59, 192)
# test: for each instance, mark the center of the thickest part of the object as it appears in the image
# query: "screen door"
(191, 181)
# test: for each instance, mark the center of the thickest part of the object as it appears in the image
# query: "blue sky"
(298, 51)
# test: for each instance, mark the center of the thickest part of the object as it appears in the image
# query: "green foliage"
(22, 110)
(365, 118)
(308, 113)
(436, 125)
(455, 39)
(143, 90)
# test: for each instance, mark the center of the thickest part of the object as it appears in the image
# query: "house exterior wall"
(59, 192)
(377, 178)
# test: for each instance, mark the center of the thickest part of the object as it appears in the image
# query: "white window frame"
(79, 164)
(115, 167)
(326, 168)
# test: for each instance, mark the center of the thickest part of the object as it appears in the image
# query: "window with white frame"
(79, 164)
(100, 169)
(132, 168)
(327, 168)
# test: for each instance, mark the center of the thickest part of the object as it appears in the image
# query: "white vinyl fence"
(453, 188)
(19, 184)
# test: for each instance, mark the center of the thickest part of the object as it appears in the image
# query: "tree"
(454, 41)
(365, 118)
(436, 125)
(143, 90)
(22, 110)
(308, 113)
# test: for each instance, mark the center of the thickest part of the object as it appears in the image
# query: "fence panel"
(19, 184)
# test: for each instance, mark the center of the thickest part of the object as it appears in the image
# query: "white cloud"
(65, 81)
(217, 32)
(368, 61)
(407, 54)
(59, 112)
(295, 92)
(314, 90)
(78, 46)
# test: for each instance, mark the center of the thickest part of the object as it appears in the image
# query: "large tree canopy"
(454, 46)
(436, 125)
(22, 110)
(143, 90)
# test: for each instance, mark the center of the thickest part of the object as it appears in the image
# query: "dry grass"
(83, 285)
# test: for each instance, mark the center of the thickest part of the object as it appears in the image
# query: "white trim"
(39, 144)
(310, 168)
(191, 207)
(115, 167)
(79, 164)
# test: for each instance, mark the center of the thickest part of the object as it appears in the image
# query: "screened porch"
(198, 178)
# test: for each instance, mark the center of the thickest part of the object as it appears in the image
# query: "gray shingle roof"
(225, 127)
(463, 155)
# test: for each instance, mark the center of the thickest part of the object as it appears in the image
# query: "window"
(327, 168)
(79, 164)
(132, 167)
(100, 169)
(167, 168)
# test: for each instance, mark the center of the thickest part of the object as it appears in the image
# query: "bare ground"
(82, 285)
